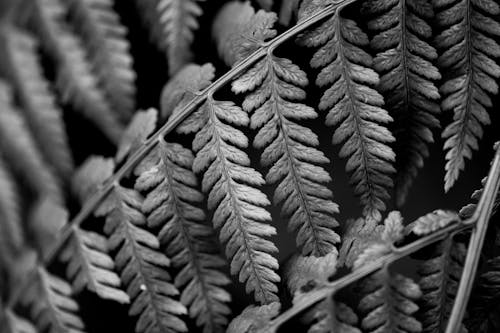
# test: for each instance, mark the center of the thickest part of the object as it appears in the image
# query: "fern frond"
(20, 63)
(74, 78)
(12, 323)
(273, 86)
(51, 304)
(254, 318)
(439, 276)
(172, 24)
(359, 234)
(355, 108)
(11, 232)
(404, 60)
(303, 270)
(109, 51)
(389, 303)
(141, 264)
(484, 308)
(90, 176)
(467, 51)
(172, 204)
(232, 187)
(239, 30)
(90, 266)
(19, 149)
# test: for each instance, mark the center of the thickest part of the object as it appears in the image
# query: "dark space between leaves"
(249, 166)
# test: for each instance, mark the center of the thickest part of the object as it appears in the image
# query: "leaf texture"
(12, 323)
(51, 304)
(21, 64)
(273, 86)
(140, 127)
(433, 221)
(389, 303)
(172, 206)
(109, 51)
(90, 176)
(439, 278)
(90, 266)
(404, 59)
(19, 149)
(142, 266)
(354, 108)
(467, 51)
(254, 318)
(358, 235)
(172, 24)
(233, 194)
(75, 80)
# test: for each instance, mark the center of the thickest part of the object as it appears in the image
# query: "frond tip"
(467, 50)
(355, 108)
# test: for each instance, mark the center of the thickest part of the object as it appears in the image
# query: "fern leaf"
(483, 308)
(172, 24)
(289, 150)
(355, 108)
(404, 61)
(172, 205)
(180, 89)
(239, 30)
(389, 303)
(90, 266)
(254, 318)
(45, 221)
(302, 271)
(232, 187)
(439, 276)
(52, 306)
(467, 51)
(11, 232)
(21, 65)
(109, 51)
(12, 323)
(74, 78)
(19, 149)
(141, 264)
(140, 127)
(433, 221)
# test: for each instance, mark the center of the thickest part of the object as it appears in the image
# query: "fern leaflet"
(439, 276)
(21, 65)
(254, 318)
(172, 205)
(109, 51)
(231, 185)
(467, 51)
(90, 266)
(141, 264)
(404, 61)
(51, 304)
(355, 107)
(19, 149)
(74, 78)
(273, 85)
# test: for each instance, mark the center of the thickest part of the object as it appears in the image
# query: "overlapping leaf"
(354, 108)
(172, 206)
(404, 60)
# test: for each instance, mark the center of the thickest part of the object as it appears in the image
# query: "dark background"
(427, 193)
